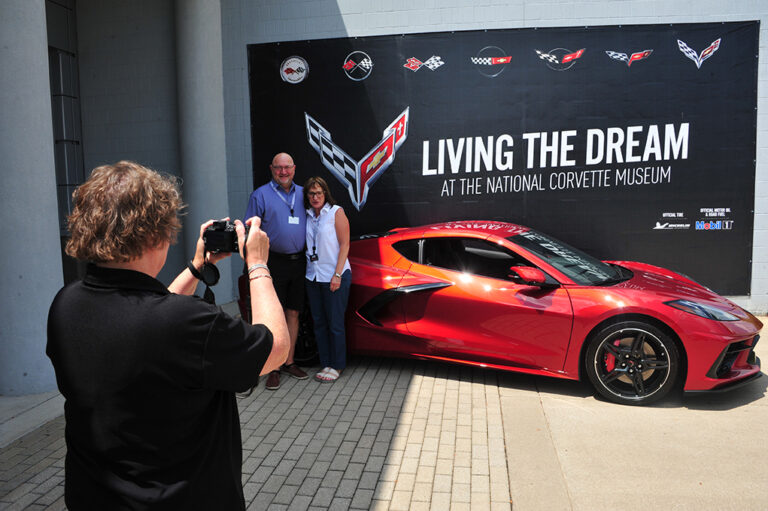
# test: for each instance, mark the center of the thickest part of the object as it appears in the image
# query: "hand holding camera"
(222, 237)
(257, 242)
(205, 252)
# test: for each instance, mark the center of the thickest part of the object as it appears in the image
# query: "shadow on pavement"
(727, 400)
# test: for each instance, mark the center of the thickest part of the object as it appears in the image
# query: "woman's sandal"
(327, 375)
(322, 374)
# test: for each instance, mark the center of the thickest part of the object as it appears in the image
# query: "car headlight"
(700, 309)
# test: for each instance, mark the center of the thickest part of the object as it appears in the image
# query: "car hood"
(660, 280)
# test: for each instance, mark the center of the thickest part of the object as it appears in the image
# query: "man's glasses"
(282, 167)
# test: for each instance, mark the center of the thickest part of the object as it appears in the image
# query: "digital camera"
(221, 236)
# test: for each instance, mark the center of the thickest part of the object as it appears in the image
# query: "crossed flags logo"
(631, 58)
(431, 63)
(358, 176)
(698, 59)
(560, 59)
(358, 65)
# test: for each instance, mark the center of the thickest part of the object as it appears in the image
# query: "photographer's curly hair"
(120, 211)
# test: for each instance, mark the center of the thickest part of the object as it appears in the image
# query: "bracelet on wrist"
(255, 267)
(260, 275)
(337, 275)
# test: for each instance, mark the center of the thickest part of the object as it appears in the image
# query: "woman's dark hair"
(120, 211)
(319, 181)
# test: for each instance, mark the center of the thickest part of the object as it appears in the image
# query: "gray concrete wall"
(151, 89)
(30, 257)
(127, 54)
(247, 22)
(201, 123)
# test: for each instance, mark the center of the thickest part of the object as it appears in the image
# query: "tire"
(632, 363)
(306, 348)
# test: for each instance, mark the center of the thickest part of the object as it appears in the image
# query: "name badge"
(293, 220)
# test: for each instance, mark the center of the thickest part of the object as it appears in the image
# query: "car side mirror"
(528, 276)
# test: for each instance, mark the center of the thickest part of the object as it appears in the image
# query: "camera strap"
(208, 275)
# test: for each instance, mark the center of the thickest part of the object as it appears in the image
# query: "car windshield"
(580, 267)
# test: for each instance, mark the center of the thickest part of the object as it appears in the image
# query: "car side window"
(408, 249)
(471, 255)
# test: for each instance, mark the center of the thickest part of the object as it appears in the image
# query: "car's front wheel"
(632, 363)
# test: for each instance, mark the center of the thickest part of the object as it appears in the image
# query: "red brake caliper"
(610, 360)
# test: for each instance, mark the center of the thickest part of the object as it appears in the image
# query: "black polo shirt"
(149, 380)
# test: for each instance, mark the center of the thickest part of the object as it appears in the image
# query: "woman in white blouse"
(328, 275)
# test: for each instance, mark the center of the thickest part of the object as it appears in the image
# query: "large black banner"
(629, 142)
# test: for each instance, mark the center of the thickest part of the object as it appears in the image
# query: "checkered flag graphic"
(434, 62)
(314, 131)
(366, 63)
(332, 157)
(548, 57)
(688, 52)
(618, 56)
(483, 61)
(335, 159)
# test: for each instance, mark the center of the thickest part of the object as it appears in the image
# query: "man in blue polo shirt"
(280, 205)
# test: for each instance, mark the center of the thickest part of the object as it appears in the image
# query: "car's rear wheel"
(632, 363)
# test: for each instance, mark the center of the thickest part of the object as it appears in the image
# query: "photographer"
(149, 373)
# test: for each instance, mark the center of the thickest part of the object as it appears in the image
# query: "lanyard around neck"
(315, 229)
(292, 194)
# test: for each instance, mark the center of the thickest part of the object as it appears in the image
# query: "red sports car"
(500, 295)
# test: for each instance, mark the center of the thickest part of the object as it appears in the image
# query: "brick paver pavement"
(32, 469)
(390, 434)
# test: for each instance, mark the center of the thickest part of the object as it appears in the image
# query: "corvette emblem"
(491, 61)
(560, 59)
(376, 159)
(631, 58)
(358, 176)
(294, 69)
(431, 63)
(358, 66)
(705, 54)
